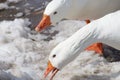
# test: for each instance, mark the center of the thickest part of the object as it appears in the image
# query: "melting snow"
(24, 54)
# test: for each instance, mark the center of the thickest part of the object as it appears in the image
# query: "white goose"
(105, 30)
(58, 10)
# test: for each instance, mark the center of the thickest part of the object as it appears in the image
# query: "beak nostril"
(44, 23)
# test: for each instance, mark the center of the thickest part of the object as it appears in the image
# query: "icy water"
(24, 52)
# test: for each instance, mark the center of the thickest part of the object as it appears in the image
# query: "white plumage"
(105, 30)
(80, 9)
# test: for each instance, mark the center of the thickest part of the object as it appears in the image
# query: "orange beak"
(49, 69)
(43, 23)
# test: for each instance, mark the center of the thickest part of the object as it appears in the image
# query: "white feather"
(80, 9)
(105, 30)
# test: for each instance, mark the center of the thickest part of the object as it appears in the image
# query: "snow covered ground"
(24, 54)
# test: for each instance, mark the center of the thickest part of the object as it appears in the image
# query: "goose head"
(59, 57)
(55, 11)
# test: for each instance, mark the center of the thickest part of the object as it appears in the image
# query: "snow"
(4, 5)
(19, 14)
(13, 1)
(24, 54)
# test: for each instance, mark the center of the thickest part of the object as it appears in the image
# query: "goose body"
(92, 9)
(58, 10)
(105, 30)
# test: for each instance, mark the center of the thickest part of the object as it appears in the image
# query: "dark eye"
(55, 12)
(54, 55)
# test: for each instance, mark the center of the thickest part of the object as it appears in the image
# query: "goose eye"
(55, 12)
(54, 56)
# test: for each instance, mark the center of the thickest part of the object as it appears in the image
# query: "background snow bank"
(24, 54)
